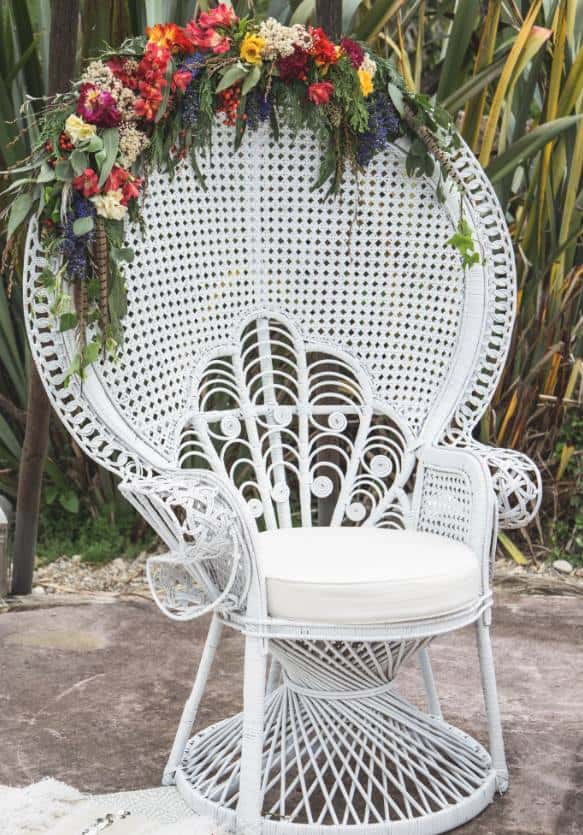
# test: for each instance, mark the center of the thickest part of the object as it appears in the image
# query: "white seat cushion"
(365, 575)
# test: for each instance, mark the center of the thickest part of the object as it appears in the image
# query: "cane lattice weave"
(369, 273)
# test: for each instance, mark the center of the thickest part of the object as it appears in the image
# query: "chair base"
(367, 761)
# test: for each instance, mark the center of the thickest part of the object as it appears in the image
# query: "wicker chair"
(293, 413)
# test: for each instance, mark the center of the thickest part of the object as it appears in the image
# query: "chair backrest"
(301, 347)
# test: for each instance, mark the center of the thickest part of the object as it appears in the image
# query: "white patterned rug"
(53, 808)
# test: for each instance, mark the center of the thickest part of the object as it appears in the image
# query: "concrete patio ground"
(92, 695)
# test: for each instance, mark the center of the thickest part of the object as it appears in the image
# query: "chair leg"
(250, 791)
(491, 703)
(433, 705)
(192, 704)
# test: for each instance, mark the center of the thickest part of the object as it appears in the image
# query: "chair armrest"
(516, 481)
(454, 498)
(211, 563)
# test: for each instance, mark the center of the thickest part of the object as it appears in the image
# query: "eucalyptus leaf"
(93, 145)
(83, 225)
(64, 171)
(251, 81)
(231, 76)
(110, 148)
(46, 174)
(396, 96)
(123, 254)
(79, 161)
(20, 209)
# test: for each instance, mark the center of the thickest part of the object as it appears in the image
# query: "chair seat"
(365, 575)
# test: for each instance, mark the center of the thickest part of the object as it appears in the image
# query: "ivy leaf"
(73, 370)
(79, 161)
(20, 209)
(91, 353)
(463, 241)
(231, 76)
(67, 321)
(83, 225)
(251, 80)
(110, 148)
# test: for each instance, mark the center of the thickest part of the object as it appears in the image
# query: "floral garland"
(152, 103)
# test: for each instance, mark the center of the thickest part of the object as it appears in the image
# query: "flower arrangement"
(152, 103)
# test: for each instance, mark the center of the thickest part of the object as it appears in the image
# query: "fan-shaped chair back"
(301, 346)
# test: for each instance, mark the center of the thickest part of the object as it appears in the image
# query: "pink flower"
(353, 52)
(87, 183)
(320, 92)
(223, 15)
(181, 79)
(208, 39)
(98, 107)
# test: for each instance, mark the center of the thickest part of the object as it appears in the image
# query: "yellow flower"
(77, 130)
(366, 84)
(251, 49)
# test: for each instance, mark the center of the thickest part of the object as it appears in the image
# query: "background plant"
(511, 73)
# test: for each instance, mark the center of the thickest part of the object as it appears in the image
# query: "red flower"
(87, 183)
(98, 107)
(208, 39)
(148, 102)
(353, 52)
(223, 15)
(119, 67)
(294, 66)
(124, 181)
(323, 49)
(320, 92)
(180, 80)
(169, 36)
(152, 67)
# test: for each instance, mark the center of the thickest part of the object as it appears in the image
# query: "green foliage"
(564, 507)
(67, 527)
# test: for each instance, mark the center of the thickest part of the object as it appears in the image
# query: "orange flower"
(169, 36)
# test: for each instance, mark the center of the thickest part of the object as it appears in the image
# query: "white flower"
(280, 40)
(368, 65)
(109, 205)
(77, 130)
(131, 144)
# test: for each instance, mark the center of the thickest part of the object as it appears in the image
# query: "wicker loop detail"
(322, 486)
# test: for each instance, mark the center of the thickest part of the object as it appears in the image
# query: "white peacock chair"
(289, 360)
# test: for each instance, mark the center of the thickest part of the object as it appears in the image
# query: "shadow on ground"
(92, 694)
